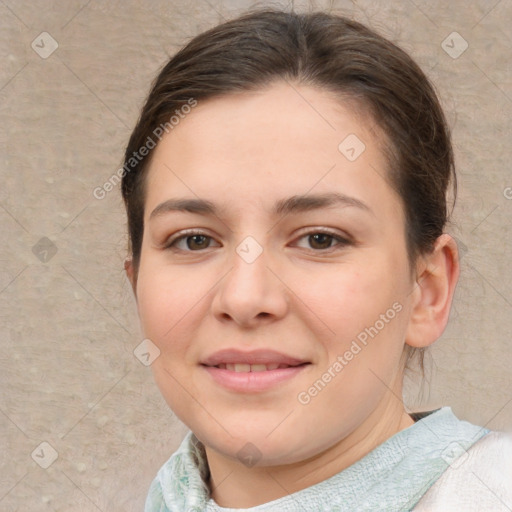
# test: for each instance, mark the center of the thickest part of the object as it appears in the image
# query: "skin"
(301, 297)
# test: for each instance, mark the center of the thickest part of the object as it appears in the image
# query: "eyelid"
(312, 230)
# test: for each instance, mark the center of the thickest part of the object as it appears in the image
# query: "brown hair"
(330, 52)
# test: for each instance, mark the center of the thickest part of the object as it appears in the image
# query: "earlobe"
(438, 274)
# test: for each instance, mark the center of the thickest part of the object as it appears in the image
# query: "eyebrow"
(293, 204)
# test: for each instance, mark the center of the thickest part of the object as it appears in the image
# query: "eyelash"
(342, 242)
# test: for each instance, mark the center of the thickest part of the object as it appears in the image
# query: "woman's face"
(291, 252)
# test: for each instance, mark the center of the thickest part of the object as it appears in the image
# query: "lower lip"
(253, 382)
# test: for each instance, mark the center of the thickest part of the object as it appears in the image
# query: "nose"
(252, 292)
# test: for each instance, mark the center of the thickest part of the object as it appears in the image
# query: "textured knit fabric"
(479, 480)
(392, 477)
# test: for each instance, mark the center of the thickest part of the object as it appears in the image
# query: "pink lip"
(261, 356)
(247, 382)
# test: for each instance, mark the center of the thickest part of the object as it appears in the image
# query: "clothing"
(440, 463)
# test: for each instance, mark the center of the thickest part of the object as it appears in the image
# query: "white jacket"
(479, 480)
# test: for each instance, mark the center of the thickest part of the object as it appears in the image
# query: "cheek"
(168, 302)
(349, 297)
(363, 306)
(170, 305)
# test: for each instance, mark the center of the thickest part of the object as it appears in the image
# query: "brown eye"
(192, 242)
(320, 240)
(197, 242)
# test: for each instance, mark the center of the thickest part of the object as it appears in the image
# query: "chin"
(253, 446)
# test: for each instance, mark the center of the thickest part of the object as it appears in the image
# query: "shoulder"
(479, 479)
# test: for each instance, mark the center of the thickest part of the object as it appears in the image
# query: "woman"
(286, 188)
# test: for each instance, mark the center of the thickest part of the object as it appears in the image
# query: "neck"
(234, 485)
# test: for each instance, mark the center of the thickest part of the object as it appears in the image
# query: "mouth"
(256, 371)
(246, 368)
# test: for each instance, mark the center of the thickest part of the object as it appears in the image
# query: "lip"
(261, 356)
(252, 382)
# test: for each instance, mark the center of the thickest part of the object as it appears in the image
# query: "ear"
(437, 275)
(131, 274)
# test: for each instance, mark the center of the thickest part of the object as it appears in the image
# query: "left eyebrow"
(293, 204)
(307, 202)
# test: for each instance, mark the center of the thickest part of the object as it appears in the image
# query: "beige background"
(68, 375)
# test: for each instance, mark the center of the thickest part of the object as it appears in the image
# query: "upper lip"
(261, 356)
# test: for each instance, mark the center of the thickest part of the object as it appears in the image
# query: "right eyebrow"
(201, 206)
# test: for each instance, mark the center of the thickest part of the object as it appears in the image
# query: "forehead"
(255, 146)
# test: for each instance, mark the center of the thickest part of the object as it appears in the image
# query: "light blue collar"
(393, 476)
